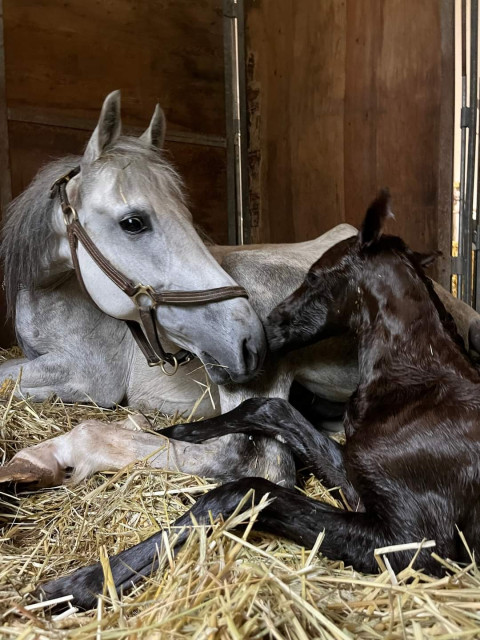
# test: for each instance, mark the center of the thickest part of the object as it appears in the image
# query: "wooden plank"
(346, 98)
(202, 168)
(408, 126)
(364, 38)
(296, 63)
(5, 183)
(6, 328)
(66, 56)
(40, 115)
(399, 117)
(316, 113)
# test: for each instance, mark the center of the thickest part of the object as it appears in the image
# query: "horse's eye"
(133, 224)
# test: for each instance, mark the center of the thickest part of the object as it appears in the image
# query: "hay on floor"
(225, 583)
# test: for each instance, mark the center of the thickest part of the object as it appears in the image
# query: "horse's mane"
(28, 239)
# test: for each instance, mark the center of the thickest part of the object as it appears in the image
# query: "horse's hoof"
(22, 471)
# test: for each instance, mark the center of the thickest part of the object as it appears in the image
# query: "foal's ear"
(426, 259)
(375, 218)
(155, 134)
(108, 129)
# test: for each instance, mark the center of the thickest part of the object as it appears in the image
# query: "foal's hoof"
(24, 471)
(84, 585)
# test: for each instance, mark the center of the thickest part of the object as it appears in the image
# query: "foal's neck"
(403, 341)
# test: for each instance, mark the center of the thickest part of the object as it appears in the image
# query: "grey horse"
(131, 202)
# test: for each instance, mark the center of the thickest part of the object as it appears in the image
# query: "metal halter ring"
(69, 214)
(174, 365)
(144, 290)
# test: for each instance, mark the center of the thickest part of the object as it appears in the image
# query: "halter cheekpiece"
(145, 297)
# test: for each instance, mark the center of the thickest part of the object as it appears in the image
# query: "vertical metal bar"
(462, 258)
(472, 139)
(229, 122)
(476, 240)
(242, 133)
(236, 116)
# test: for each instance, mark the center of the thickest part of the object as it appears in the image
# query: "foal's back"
(412, 427)
(414, 422)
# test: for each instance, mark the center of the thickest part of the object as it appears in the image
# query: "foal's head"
(351, 282)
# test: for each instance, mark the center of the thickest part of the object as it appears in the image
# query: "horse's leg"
(94, 446)
(61, 375)
(349, 536)
(277, 419)
(74, 350)
(10, 369)
(275, 382)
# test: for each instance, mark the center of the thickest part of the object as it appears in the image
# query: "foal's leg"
(94, 446)
(277, 419)
(349, 536)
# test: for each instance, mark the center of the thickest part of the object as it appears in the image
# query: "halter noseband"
(145, 297)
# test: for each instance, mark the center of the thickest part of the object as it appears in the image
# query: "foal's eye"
(133, 224)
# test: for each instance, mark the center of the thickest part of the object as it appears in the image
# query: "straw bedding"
(227, 582)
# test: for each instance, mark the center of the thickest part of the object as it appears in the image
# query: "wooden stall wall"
(62, 57)
(347, 97)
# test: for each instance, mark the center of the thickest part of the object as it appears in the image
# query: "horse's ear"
(426, 259)
(108, 129)
(155, 134)
(375, 218)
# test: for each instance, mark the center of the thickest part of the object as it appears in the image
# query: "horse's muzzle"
(250, 358)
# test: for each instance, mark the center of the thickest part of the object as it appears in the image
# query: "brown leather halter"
(144, 296)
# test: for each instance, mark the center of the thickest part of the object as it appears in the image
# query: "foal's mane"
(28, 239)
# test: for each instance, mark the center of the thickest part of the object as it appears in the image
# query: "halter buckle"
(65, 178)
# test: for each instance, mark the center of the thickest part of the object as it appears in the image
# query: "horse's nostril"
(250, 355)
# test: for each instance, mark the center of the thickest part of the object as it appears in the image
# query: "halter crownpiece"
(145, 332)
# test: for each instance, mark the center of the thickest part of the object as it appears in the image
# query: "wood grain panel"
(346, 98)
(5, 183)
(296, 62)
(363, 44)
(6, 329)
(317, 115)
(202, 168)
(408, 98)
(398, 117)
(65, 56)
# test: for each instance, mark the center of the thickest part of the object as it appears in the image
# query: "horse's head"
(130, 202)
(347, 284)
